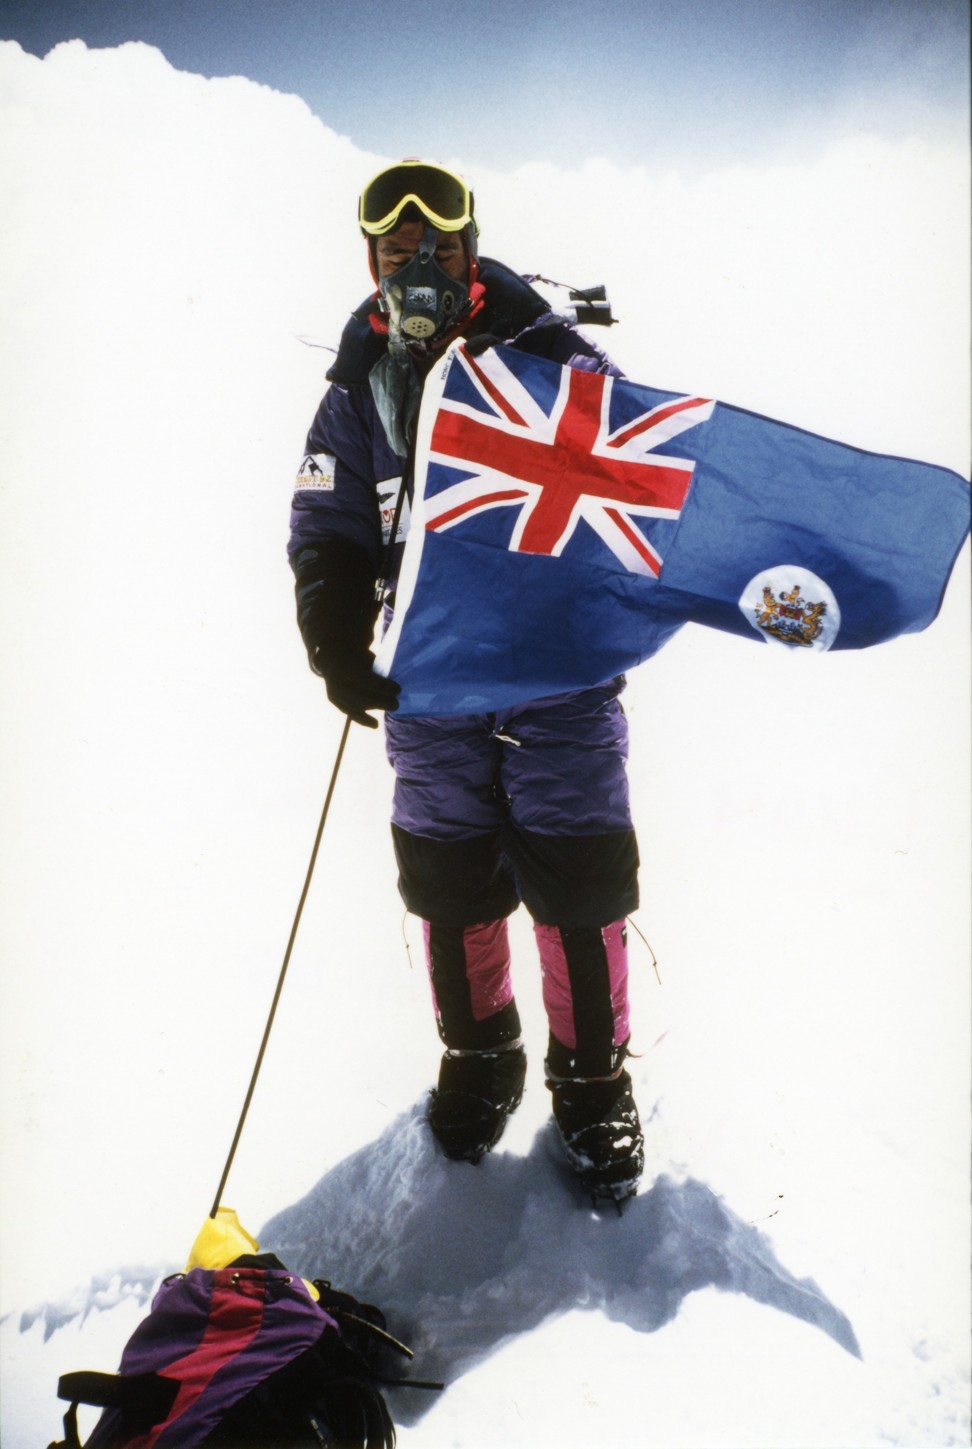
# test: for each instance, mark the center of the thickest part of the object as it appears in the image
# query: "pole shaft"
(283, 970)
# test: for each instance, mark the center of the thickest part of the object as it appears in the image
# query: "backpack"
(243, 1357)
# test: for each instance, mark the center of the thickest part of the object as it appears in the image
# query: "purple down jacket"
(550, 771)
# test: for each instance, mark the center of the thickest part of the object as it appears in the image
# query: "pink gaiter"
(585, 984)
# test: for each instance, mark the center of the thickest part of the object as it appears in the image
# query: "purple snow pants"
(531, 805)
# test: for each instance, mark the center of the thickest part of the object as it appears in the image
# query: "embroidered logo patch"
(790, 605)
(316, 473)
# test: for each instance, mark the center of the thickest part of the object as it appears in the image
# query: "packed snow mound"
(462, 1258)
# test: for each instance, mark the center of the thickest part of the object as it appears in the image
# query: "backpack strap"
(70, 1440)
(144, 1399)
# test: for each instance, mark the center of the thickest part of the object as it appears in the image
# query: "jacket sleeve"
(336, 528)
(335, 493)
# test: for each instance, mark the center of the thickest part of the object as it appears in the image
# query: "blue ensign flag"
(565, 524)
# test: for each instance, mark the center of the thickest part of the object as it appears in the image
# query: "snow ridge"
(106, 1290)
(463, 1259)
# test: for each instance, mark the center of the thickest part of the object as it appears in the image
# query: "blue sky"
(632, 80)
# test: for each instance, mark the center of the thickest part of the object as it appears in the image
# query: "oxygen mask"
(422, 300)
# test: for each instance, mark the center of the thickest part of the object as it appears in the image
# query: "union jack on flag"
(521, 451)
(565, 523)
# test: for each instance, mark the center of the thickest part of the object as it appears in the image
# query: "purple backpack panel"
(219, 1335)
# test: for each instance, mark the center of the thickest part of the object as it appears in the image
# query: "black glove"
(336, 611)
(481, 343)
(352, 684)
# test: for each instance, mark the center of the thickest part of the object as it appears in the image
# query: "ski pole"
(380, 586)
(283, 969)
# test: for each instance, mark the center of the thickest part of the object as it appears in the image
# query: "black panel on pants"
(454, 882)
(576, 880)
(564, 880)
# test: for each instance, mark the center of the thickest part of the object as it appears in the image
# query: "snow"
(794, 1271)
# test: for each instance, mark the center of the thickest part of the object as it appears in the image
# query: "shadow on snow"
(463, 1258)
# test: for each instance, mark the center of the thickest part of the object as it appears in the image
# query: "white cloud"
(832, 293)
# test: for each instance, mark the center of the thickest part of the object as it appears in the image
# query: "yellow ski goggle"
(440, 195)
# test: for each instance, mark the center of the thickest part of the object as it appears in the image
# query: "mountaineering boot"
(598, 1121)
(477, 1091)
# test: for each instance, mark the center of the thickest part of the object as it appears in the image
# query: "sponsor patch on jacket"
(388, 490)
(316, 473)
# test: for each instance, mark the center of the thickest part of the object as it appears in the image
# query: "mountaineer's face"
(398, 248)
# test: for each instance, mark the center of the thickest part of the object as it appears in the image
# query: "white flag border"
(415, 541)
